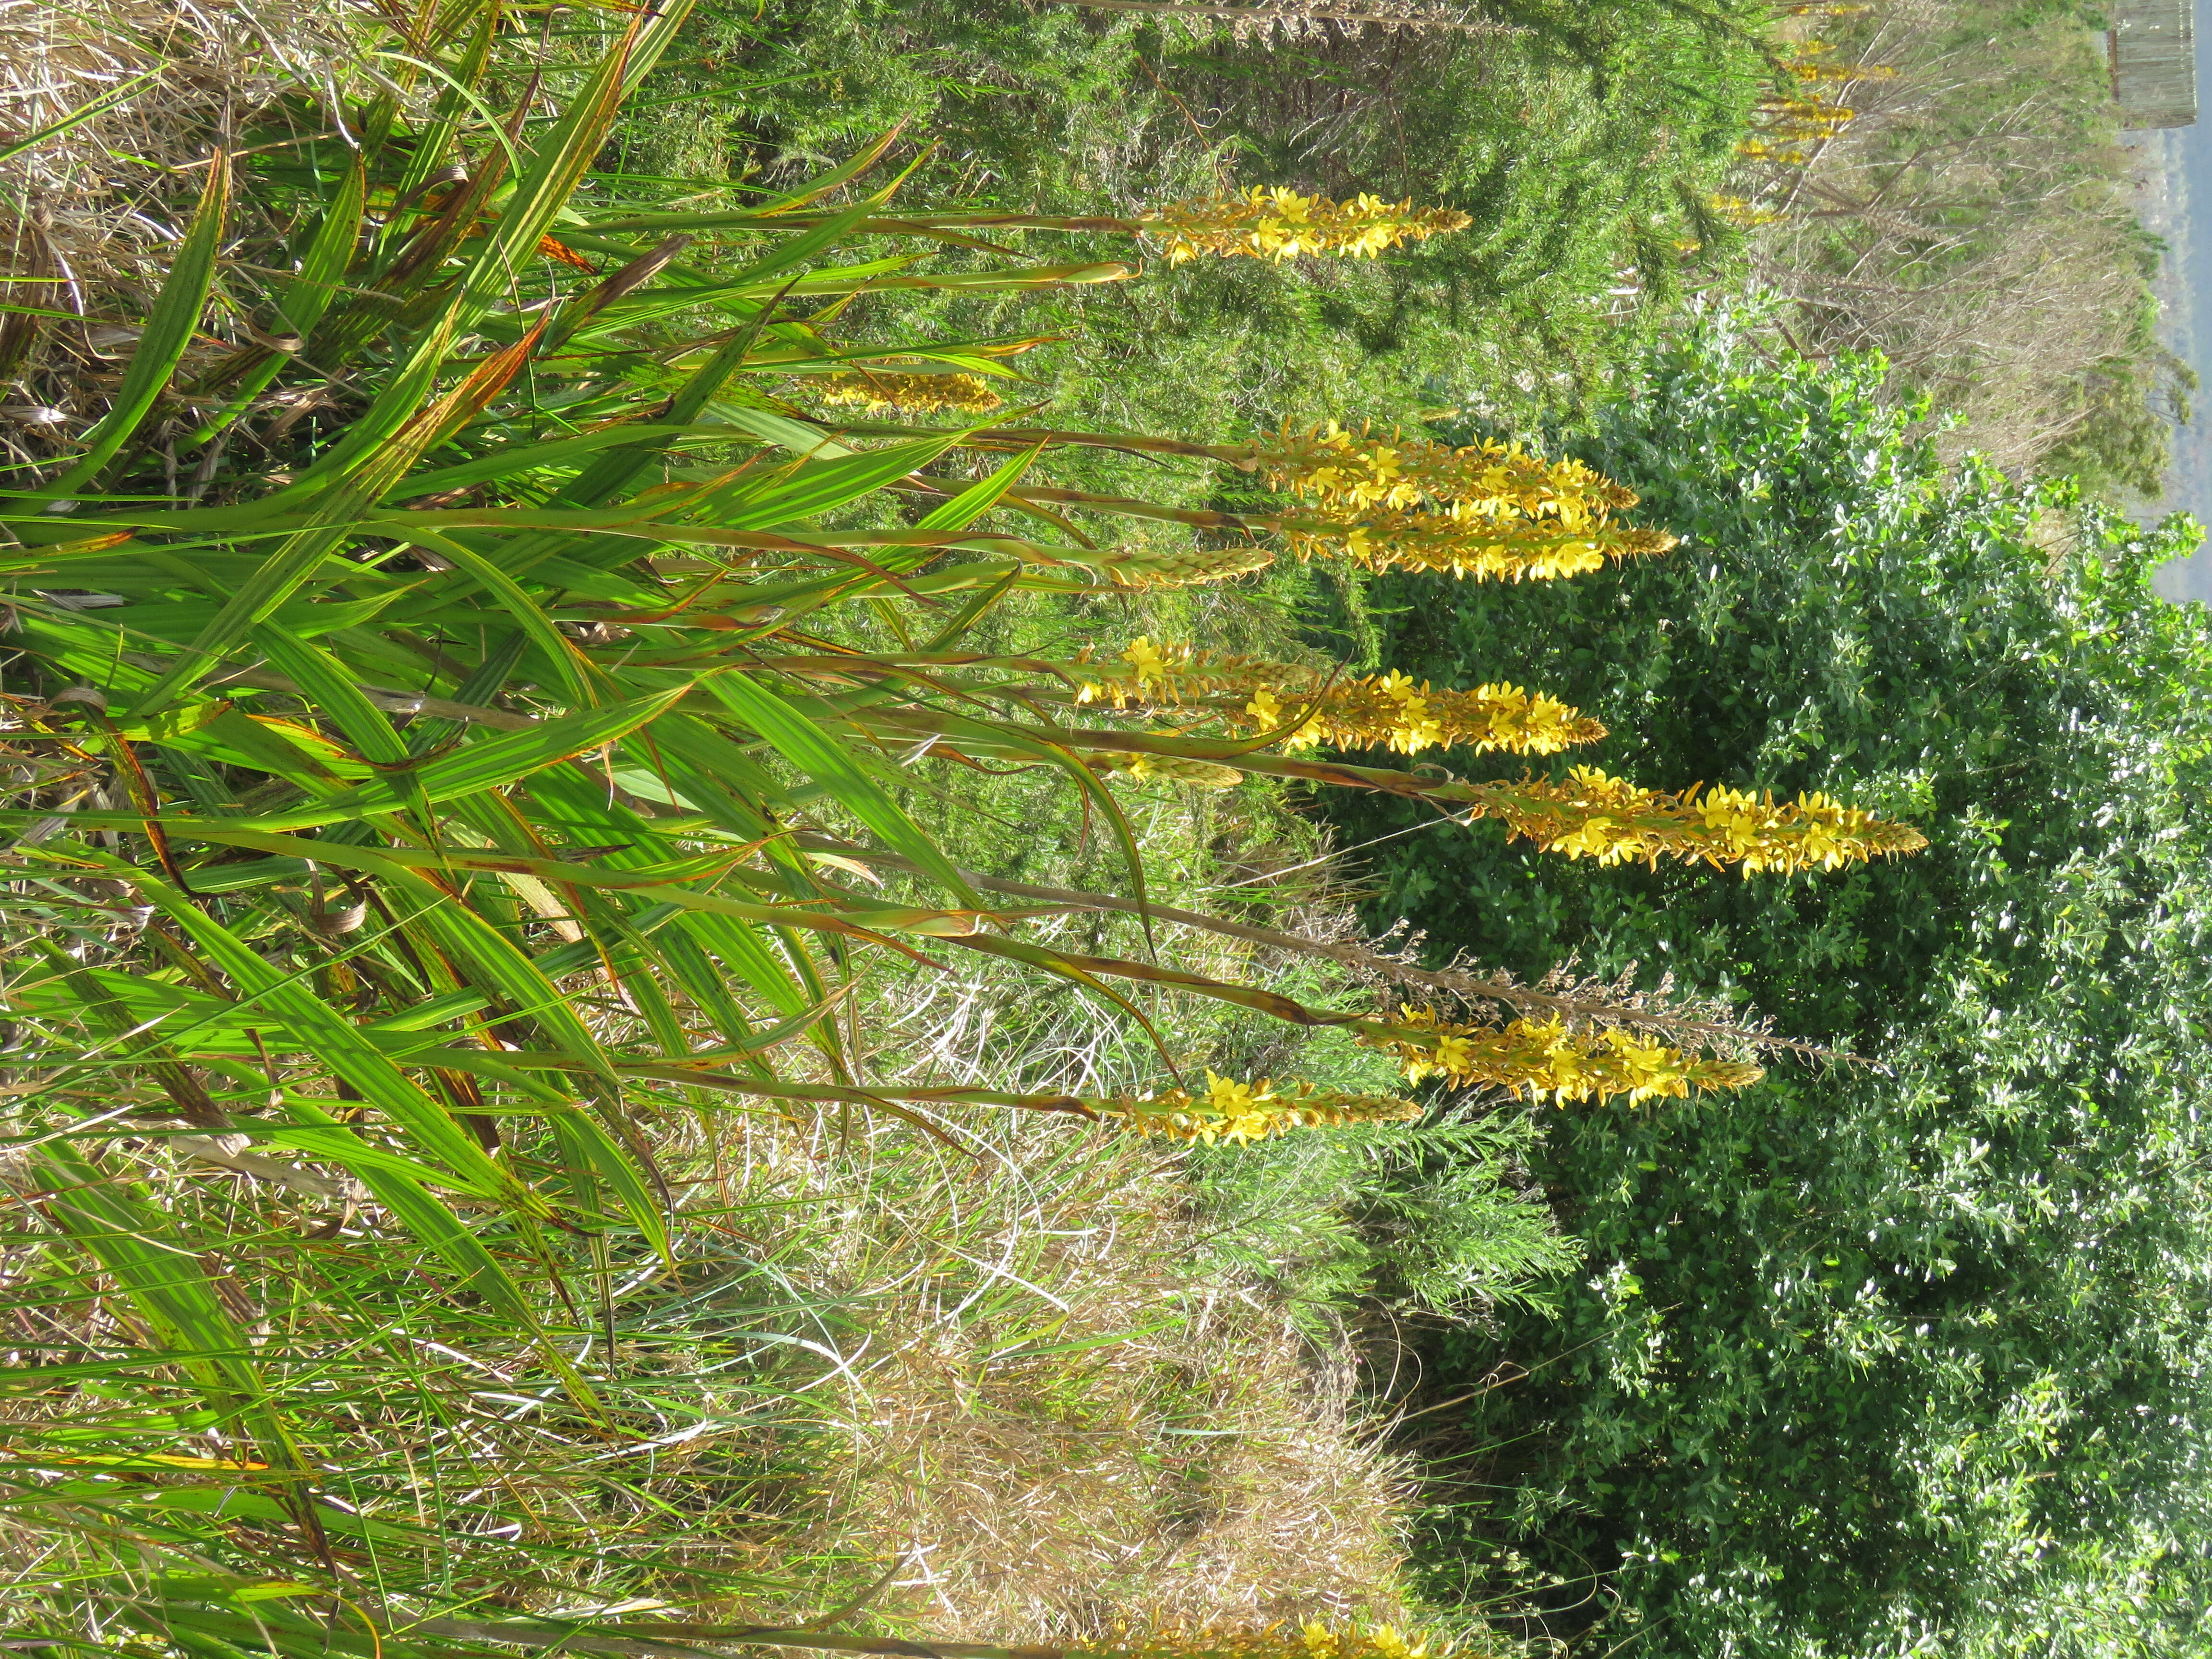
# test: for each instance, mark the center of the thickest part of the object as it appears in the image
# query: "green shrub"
(1903, 1355)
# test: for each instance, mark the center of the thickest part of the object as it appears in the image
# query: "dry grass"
(1058, 1429)
(999, 1375)
(1051, 1413)
(86, 213)
(1973, 223)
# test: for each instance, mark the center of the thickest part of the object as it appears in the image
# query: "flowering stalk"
(1299, 18)
(1467, 542)
(1806, 65)
(1591, 815)
(1585, 1002)
(1208, 1642)
(1460, 538)
(1175, 566)
(1812, 118)
(1333, 466)
(1389, 710)
(1550, 1061)
(1274, 224)
(1485, 509)
(1586, 815)
(1744, 215)
(1266, 222)
(878, 390)
(1238, 1112)
(1758, 149)
(1202, 774)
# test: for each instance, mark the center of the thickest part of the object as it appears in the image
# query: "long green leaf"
(808, 748)
(557, 165)
(488, 764)
(338, 1044)
(168, 1287)
(414, 1208)
(303, 301)
(819, 487)
(169, 329)
(979, 497)
(576, 672)
(333, 693)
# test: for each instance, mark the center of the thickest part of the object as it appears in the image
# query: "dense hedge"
(1900, 1357)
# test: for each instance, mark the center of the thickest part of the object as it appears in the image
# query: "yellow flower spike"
(1177, 768)
(1264, 714)
(1549, 1061)
(1392, 711)
(876, 392)
(1312, 1641)
(1471, 544)
(1273, 224)
(1589, 815)
(1238, 1112)
(1334, 467)
(1744, 215)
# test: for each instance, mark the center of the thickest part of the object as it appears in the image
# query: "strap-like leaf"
(338, 1044)
(808, 748)
(488, 763)
(169, 1288)
(169, 329)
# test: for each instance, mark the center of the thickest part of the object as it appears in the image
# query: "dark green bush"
(1906, 1355)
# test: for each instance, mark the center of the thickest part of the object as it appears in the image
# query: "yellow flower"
(1268, 714)
(1143, 657)
(1729, 812)
(1592, 838)
(1417, 730)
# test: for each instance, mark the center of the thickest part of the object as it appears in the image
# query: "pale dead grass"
(996, 1381)
(1048, 1418)
(1964, 226)
(87, 214)
(197, 71)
